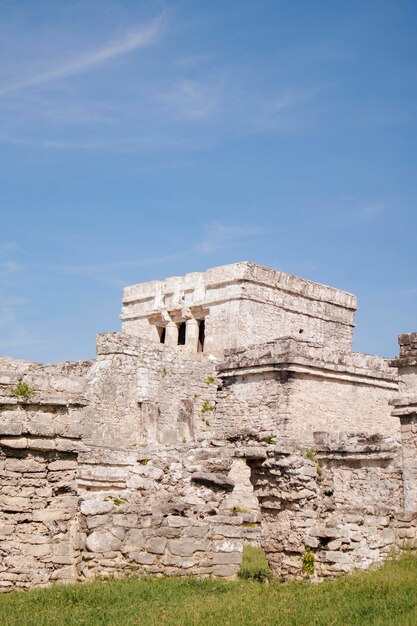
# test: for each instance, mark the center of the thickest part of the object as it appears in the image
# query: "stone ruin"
(230, 409)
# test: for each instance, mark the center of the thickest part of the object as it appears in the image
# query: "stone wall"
(292, 388)
(38, 519)
(342, 502)
(39, 445)
(162, 512)
(40, 438)
(158, 460)
(405, 410)
(141, 392)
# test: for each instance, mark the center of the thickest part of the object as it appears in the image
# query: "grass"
(254, 564)
(387, 596)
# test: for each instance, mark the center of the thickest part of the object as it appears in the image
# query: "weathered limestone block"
(15, 504)
(138, 482)
(102, 541)
(177, 521)
(225, 570)
(156, 545)
(183, 562)
(185, 547)
(227, 558)
(96, 507)
(134, 541)
(64, 573)
(126, 520)
(143, 558)
(11, 428)
(227, 545)
(97, 520)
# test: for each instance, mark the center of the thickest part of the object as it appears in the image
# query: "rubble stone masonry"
(210, 421)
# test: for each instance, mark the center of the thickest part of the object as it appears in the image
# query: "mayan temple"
(230, 409)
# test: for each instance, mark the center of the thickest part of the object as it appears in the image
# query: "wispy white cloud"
(183, 98)
(139, 37)
(191, 99)
(273, 113)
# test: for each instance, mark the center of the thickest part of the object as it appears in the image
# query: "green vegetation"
(254, 564)
(164, 372)
(210, 380)
(206, 406)
(383, 597)
(117, 500)
(22, 390)
(238, 509)
(311, 455)
(308, 562)
(272, 440)
(144, 461)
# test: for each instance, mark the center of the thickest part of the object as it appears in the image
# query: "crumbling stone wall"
(165, 511)
(39, 444)
(141, 392)
(39, 506)
(157, 460)
(405, 409)
(342, 502)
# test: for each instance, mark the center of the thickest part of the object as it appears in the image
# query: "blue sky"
(140, 140)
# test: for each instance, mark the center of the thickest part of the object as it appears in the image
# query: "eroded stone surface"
(158, 458)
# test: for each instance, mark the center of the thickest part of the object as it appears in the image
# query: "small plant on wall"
(117, 500)
(308, 561)
(310, 455)
(23, 390)
(206, 406)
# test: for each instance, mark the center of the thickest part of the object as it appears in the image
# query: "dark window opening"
(181, 334)
(201, 335)
(162, 333)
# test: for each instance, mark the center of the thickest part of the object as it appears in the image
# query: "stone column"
(191, 335)
(155, 336)
(405, 408)
(171, 334)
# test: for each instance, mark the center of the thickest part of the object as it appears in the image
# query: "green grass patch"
(383, 597)
(254, 564)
